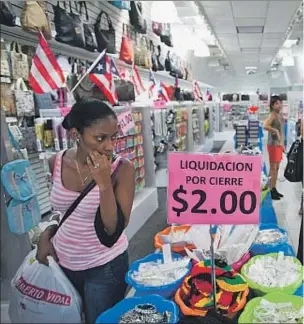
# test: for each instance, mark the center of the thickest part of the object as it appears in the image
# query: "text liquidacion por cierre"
(215, 166)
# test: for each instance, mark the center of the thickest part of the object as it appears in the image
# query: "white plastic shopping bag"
(42, 294)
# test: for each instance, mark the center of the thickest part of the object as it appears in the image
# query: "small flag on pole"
(136, 80)
(162, 92)
(198, 96)
(152, 82)
(46, 74)
(102, 75)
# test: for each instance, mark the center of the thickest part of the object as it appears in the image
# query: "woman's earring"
(78, 141)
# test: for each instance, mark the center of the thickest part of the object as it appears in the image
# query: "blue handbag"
(125, 5)
(18, 180)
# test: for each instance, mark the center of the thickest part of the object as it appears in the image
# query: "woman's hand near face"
(100, 167)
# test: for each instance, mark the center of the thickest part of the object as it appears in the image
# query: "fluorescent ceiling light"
(250, 29)
(289, 43)
(164, 12)
(250, 67)
(250, 50)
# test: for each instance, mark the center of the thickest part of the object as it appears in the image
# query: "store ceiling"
(250, 32)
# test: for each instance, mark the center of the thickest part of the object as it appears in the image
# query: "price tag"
(126, 122)
(160, 104)
(214, 189)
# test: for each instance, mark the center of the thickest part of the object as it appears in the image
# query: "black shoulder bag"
(136, 17)
(105, 37)
(104, 238)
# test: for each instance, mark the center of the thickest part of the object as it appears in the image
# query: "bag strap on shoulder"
(85, 191)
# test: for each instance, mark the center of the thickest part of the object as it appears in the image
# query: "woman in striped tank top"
(90, 246)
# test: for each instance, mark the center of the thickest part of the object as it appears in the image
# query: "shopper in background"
(94, 262)
(275, 142)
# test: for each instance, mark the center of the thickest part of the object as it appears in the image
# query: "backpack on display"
(157, 28)
(136, 17)
(245, 97)
(105, 37)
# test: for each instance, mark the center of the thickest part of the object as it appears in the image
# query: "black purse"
(294, 168)
(160, 59)
(69, 26)
(168, 62)
(136, 17)
(105, 37)
(88, 29)
(125, 90)
(166, 36)
(7, 15)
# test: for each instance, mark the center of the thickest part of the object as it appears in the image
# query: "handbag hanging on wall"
(7, 100)
(7, 15)
(157, 28)
(126, 49)
(69, 26)
(161, 59)
(125, 90)
(294, 167)
(88, 29)
(166, 36)
(20, 66)
(34, 18)
(105, 37)
(136, 17)
(5, 70)
(24, 98)
(153, 57)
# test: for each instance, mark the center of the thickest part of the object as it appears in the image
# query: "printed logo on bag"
(45, 295)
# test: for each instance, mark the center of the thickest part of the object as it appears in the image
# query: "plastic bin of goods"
(273, 273)
(167, 236)
(151, 275)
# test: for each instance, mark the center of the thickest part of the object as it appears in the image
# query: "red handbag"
(126, 48)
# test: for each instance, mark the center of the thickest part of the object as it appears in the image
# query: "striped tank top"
(76, 243)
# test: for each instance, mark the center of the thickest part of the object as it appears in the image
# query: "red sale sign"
(214, 189)
(125, 121)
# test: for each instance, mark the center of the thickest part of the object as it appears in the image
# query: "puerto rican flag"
(198, 96)
(162, 92)
(152, 83)
(102, 75)
(136, 80)
(46, 74)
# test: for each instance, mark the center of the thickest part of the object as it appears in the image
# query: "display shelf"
(26, 38)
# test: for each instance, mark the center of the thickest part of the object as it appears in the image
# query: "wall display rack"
(177, 127)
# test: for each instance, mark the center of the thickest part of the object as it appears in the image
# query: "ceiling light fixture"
(164, 12)
(250, 29)
(251, 67)
(201, 50)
